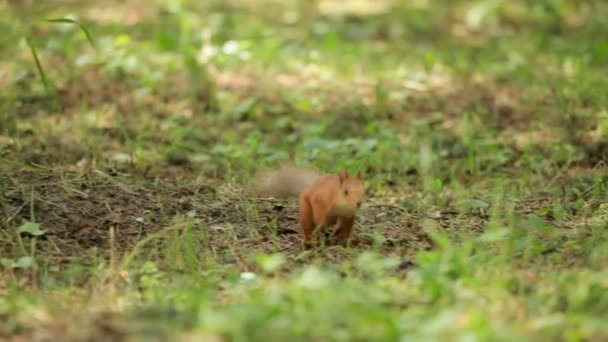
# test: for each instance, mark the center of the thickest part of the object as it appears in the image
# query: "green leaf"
(25, 262)
(8, 263)
(31, 228)
(22, 262)
(494, 235)
(122, 40)
(244, 108)
(536, 221)
(313, 278)
(437, 184)
(270, 263)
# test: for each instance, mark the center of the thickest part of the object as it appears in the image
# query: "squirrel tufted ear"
(360, 174)
(343, 175)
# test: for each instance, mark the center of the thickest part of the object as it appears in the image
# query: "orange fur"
(325, 199)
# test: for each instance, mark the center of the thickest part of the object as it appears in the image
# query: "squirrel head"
(352, 191)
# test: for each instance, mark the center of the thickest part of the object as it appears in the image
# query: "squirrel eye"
(345, 192)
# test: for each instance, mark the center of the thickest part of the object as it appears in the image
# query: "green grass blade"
(84, 29)
(43, 78)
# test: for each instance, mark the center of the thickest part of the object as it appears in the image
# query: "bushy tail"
(288, 181)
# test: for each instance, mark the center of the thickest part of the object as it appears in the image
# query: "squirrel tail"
(288, 181)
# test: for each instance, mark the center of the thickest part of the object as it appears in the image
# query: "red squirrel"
(324, 199)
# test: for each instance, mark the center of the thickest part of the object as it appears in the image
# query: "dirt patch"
(79, 210)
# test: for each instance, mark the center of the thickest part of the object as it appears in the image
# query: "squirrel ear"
(343, 175)
(360, 174)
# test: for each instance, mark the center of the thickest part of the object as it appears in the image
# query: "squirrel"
(324, 199)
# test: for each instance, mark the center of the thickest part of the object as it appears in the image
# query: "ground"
(130, 133)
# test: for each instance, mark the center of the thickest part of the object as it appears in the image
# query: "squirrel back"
(288, 181)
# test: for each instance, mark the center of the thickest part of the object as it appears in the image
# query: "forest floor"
(127, 146)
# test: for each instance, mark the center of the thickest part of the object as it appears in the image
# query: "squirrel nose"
(358, 204)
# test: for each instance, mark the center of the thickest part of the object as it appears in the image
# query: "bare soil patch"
(78, 210)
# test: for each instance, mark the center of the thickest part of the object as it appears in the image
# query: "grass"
(129, 133)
